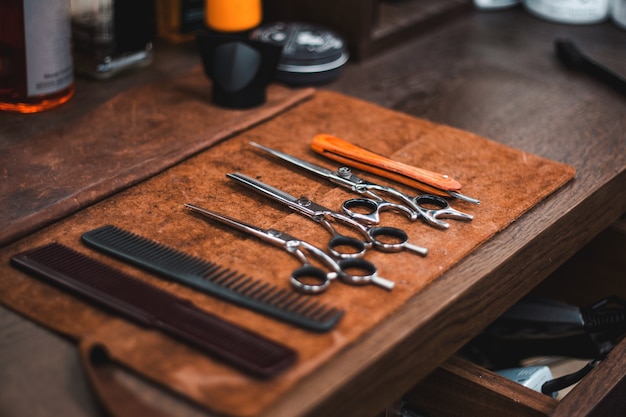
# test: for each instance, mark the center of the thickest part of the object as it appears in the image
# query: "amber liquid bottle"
(36, 70)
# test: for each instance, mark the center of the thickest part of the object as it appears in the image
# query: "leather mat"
(507, 181)
(129, 138)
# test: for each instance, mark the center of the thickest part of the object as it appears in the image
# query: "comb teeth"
(213, 279)
(90, 277)
(156, 308)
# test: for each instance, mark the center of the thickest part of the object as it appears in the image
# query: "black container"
(311, 54)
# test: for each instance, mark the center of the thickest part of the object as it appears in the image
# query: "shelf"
(368, 26)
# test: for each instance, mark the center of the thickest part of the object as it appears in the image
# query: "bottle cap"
(240, 68)
(311, 54)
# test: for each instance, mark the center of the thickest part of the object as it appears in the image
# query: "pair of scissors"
(430, 208)
(308, 278)
(386, 239)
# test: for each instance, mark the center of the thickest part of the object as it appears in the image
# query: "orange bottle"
(233, 15)
(36, 68)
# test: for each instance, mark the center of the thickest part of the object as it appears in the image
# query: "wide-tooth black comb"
(156, 308)
(280, 303)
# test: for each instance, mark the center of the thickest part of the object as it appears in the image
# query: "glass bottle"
(495, 4)
(36, 68)
(618, 13)
(111, 35)
(179, 20)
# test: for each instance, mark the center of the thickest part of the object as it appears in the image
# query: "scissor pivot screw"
(344, 172)
(304, 202)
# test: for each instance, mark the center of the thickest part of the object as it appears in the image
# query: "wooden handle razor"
(358, 157)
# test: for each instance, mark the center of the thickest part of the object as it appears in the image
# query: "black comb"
(156, 308)
(280, 303)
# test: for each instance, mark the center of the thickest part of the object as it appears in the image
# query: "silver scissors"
(308, 278)
(430, 208)
(386, 239)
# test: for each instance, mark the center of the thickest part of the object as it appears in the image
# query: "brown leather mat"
(507, 181)
(131, 137)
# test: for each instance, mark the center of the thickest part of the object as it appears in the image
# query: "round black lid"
(305, 46)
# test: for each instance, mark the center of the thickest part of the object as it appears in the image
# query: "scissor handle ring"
(434, 200)
(366, 271)
(312, 273)
(398, 234)
(372, 207)
(359, 247)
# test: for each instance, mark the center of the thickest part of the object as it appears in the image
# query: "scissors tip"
(194, 208)
(464, 197)
(257, 145)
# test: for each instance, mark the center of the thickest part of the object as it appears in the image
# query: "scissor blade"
(315, 169)
(309, 209)
(463, 197)
(266, 189)
(237, 224)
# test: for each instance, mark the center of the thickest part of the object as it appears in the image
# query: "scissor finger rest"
(362, 272)
(438, 207)
(392, 239)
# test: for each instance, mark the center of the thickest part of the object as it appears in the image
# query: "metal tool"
(356, 271)
(416, 207)
(357, 157)
(386, 239)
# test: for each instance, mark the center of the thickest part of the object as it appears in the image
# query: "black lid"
(306, 47)
(240, 68)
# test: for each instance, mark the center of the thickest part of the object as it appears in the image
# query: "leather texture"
(508, 182)
(131, 137)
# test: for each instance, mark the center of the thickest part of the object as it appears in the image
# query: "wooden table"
(492, 73)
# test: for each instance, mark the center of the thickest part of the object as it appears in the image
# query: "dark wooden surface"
(492, 73)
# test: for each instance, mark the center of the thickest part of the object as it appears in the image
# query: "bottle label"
(48, 51)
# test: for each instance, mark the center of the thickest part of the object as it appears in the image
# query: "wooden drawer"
(462, 388)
